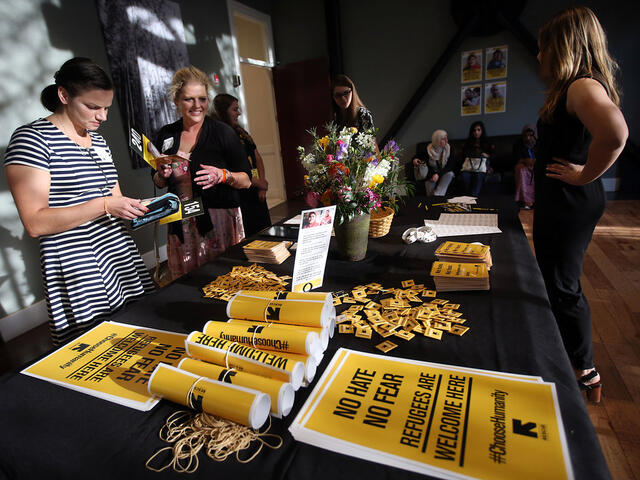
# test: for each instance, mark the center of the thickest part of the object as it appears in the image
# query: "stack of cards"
(464, 253)
(456, 276)
(263, 251)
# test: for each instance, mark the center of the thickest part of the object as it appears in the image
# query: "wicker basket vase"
(381, 219)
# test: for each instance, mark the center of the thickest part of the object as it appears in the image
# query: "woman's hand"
(209, 176)
(262, 195)
(485, 155)
(565, 171)
(124, 207)
(260, 183)
(165, 171)
(435, 177)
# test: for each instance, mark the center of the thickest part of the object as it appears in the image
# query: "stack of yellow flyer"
(440, 420)
(263, 251)
(455, 276)
(464, 253)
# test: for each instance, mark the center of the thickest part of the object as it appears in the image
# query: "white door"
(254, 56)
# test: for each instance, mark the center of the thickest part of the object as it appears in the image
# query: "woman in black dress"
(476, 153)
(253, 201)
(581, 133)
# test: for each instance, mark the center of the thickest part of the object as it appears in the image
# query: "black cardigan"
(217, 145)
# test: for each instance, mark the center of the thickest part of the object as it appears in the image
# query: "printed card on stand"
(313, 246)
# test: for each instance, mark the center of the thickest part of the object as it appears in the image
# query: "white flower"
(366, 141)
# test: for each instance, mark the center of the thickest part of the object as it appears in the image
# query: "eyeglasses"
(344, 94)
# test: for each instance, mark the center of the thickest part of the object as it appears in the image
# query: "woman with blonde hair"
(211, 165)
(581, 133)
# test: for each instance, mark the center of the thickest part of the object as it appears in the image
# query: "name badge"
(167, 144)
(254, 173)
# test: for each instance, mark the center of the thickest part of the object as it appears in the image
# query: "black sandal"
(594, 390)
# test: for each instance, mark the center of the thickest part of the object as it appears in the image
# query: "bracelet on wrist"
(106, 210)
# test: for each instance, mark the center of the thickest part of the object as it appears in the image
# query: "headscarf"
(436, 151)
(532, 127)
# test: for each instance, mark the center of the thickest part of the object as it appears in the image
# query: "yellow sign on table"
(112, 361)
(440, 420)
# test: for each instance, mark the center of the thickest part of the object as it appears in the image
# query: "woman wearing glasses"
(348, 109)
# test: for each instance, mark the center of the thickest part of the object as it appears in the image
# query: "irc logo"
(527, 429)
(78, 347)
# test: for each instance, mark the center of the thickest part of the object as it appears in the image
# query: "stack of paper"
(451, 224)
(263, 251)
(452, 276)
(464, 253)
(439, 420)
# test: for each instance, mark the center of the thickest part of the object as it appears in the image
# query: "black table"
(47, 431)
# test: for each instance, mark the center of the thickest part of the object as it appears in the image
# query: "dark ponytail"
(76, 75)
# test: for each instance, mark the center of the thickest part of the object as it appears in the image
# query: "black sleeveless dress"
(564, 220)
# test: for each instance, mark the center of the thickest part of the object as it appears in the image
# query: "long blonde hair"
(573, 44)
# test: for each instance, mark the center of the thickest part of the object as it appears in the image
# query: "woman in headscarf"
(524, 155)
(439, 160)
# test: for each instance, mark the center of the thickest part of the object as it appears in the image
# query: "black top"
(217, 145)
(364, 120)
(564, 136)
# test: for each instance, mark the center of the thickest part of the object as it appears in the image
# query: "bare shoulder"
(585, 91)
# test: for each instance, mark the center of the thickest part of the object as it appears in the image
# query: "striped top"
(94, 268)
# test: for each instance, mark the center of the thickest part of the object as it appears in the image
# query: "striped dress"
(94, 268)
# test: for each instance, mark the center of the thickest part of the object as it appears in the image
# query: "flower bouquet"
(344, 168)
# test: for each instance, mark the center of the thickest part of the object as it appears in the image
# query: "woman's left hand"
(565, 171)
(208, 176)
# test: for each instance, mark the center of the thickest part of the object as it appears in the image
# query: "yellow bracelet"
(106, 210)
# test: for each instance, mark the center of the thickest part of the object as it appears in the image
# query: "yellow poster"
(112, 361)
(436, 419)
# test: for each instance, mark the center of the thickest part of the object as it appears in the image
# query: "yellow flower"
(323, 142)
(306, 179)
(375, 180)
(353, 130)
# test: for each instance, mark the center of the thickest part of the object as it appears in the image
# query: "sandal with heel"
(594, 390)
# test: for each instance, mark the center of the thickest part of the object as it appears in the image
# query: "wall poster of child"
(471, 66)
(495, 95)
(497, 60)
(471, 100)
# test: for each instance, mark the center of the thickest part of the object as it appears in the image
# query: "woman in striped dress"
(65, 187)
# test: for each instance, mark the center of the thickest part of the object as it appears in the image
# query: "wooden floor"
(611, 281)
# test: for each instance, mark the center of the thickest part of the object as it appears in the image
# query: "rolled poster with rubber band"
(243, 405)
(244, 358)
(267, 337)
(312, 313)
(324, 333)
(282, 394)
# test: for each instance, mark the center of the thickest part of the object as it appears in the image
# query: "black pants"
(560, 247)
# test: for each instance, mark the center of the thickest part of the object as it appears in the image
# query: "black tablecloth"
(47, 431)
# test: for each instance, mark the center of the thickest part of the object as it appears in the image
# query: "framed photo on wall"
(145, 45)
(471, 100)
(495, 97)
(497, 60)
(471, 66)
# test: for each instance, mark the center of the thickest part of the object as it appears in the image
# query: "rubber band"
(226, 355)
(219, 437)
(190, 392)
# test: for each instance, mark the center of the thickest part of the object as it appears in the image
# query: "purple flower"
(391, 146)
(341, 151)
